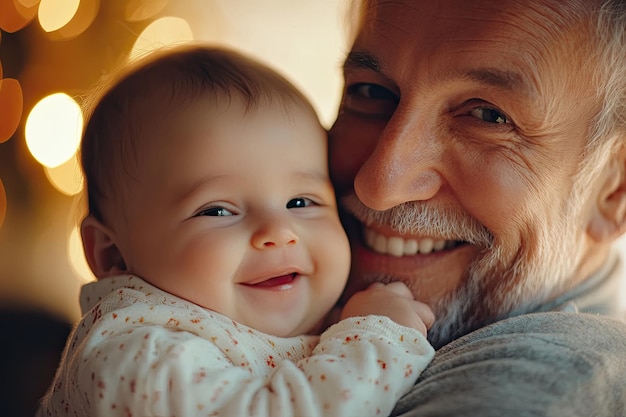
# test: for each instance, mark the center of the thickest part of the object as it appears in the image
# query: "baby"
(214, 236)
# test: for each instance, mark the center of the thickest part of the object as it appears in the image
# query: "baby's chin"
(316, 328)
(328, 320)
(283, 329)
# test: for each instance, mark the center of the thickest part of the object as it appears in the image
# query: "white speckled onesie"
(139, 351)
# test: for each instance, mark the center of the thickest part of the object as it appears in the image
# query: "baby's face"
(237, 214)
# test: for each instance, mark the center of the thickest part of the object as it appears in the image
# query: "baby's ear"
(103, 255)
(609, 218)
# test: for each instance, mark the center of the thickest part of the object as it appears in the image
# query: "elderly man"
(480, 155)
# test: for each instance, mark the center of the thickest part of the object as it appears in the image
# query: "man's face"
(460, 131)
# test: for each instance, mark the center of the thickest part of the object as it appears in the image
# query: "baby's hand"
(393, 300)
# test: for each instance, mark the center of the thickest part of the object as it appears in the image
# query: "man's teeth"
(397, 246)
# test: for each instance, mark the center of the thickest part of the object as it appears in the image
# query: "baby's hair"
(171, 78)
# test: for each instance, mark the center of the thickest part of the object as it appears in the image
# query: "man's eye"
(372, 91)
(370, 100)
(215, 211)
(299, 202)
(490, 115)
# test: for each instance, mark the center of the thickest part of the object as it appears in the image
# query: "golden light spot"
(138, 10)
(77, 259)
(83, 17)
(11, 106)
(15, 15)
(163, 32)
(53, 129)
(27, 3)
(67, 177)
(54, 14)
(3, 203)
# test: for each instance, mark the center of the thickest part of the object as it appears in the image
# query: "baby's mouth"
(276, 281)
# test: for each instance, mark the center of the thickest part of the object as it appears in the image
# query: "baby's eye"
(490, 115)
(299, 202)
(215, 211)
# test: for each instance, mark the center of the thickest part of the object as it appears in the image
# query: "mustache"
(420, 218)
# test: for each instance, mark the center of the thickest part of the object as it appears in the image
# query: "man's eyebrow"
(507, 80)
(362, 60)
(496, 77)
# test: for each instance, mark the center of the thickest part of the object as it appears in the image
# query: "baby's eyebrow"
(314, 175)
(190, 190)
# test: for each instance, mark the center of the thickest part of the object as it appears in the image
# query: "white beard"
(496, 286)
(502, 281)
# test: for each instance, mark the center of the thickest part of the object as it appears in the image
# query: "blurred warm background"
(52, 52)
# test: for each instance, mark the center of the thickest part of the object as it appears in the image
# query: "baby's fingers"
(396, 287)
(425, 313)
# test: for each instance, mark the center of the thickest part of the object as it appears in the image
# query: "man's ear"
(103, 255)
(608, 220)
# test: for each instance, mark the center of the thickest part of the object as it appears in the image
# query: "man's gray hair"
(610, 80)
(610, 70)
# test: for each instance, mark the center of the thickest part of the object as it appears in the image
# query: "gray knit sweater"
(548, 363)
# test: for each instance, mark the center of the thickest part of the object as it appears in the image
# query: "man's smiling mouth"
(398, 246)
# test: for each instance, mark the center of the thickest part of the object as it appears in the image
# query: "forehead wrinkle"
(495, 77)
(387, 35)
(384, 28)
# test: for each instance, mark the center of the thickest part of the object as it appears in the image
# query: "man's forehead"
(456, 19)
(498, 43)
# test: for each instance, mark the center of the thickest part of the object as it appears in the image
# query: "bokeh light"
(53, 129)
(138, 10)
(28, 3)
(76, 256)
(11, 107)
(16, 15)
(83, 17)
(3, 203)
(54, 14)
(162, 32)
(67, 177)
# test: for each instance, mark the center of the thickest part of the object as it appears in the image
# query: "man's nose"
(404, 165)
(274, 231)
